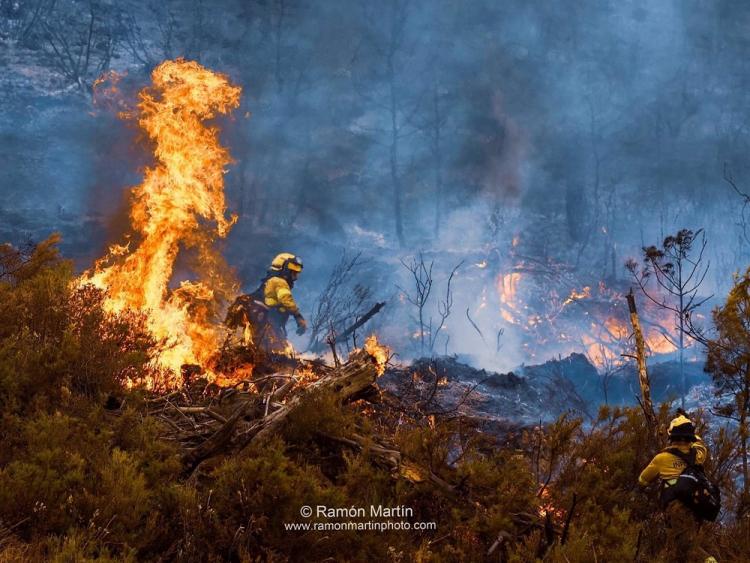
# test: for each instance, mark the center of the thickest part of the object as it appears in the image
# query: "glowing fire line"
(607, 332)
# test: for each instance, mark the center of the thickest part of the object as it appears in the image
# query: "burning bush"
(57, 341)
(179, 205)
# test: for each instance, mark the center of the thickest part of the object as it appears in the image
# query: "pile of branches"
(207, 421)
(210, 422)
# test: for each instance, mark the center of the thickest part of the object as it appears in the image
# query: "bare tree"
(729, 179)
(432, 124)
(444, 309)
(678, 274)
(79, 38)
(421, 274)
(146, 47)
(609, 367)
(18, 18)
(340, 303)
(396, 105)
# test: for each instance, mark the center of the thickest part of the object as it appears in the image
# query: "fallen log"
(216, 442)
(257, 417)
(345, 383)
(391, 459)
(202, 410)
(383, 456)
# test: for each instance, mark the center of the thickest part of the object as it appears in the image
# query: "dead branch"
(388, 458)
(362, 320)
(216, 442)
(421, 274)
(355, 376)
(481, 334)
(202, 410)
(568, 518)
(643, 379)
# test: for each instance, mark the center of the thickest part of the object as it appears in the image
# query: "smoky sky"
(583, 129)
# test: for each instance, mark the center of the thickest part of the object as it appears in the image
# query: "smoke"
(582, 132)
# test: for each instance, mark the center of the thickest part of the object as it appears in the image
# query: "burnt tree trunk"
(640, 350)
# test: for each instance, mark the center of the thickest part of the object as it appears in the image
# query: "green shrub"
(81, 483)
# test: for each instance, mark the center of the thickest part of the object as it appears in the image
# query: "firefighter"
(267, 310)
(682, 525)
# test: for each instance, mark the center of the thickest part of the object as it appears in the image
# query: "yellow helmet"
(286, 261)
(681, 427)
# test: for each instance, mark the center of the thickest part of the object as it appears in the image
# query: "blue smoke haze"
(583, 130)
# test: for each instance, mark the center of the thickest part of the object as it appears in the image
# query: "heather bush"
(85, 474)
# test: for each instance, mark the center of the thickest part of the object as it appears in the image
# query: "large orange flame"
(179, 206)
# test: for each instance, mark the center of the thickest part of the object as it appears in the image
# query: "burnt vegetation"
(93, 469)
(375, 127)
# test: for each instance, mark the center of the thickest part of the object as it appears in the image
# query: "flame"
(306, 376)
(106, 91)
(606, 341)
(508, 290)
(656, 342)
(599, 327)
(381, 354)
(576, 295)
(546, 506)
(179, 205)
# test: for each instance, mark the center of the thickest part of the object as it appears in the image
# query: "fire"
(508, 290)
(179, 206)
(606, 341)
(592, 320)
(546, 506)
(576, 295)
(306, 375)
(381, 354)
(107, 94)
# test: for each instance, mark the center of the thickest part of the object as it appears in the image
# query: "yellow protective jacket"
(278, 295)
(667, 466)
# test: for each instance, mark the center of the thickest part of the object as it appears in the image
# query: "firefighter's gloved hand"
(301, 325)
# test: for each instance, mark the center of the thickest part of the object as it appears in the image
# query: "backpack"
(694, 489)
(246, 309)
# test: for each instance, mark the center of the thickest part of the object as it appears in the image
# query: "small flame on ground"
(306, 376)
(576, 295)
(381, 354)
(508, 289)
(546, 507)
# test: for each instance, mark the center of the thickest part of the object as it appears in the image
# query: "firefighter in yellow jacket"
(269, 307)
(667, 466)
(682, 525)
